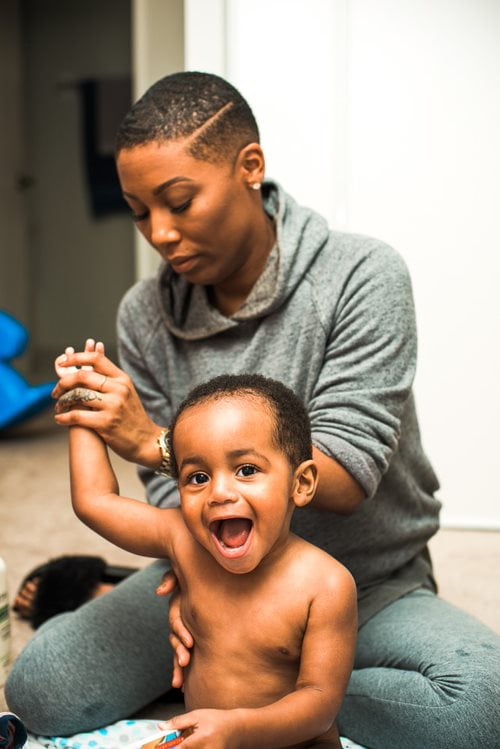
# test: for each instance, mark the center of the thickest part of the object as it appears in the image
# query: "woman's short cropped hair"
(200, 107)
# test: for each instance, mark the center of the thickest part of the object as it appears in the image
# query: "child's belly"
(224, 681)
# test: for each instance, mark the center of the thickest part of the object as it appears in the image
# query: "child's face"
(236, 487)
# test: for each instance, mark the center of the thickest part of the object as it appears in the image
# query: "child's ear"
(304, 483)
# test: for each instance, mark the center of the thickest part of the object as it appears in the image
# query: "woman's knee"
(96, 665)
(36, 688)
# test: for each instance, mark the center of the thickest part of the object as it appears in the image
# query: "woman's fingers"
(78, 398)
(83, 368)
(179, 629)
(180, 637)
(106, 401)
(60, 362)
(63, 367)
(181, 659)
(182, 653)
(91, 379)
(88, 392)
(168, 584)
(177, 674)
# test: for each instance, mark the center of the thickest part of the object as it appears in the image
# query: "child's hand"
(217, 729)
(90, 346)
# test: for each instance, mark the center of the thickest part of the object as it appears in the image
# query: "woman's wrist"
(164, 468)
(149, 454)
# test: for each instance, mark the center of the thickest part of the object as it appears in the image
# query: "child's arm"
(306, 716)
(129, 523)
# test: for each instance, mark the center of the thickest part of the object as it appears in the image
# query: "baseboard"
(469, 522)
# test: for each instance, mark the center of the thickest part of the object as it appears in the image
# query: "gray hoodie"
(332, 317)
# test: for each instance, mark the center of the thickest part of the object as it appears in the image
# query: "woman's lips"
(183, 264)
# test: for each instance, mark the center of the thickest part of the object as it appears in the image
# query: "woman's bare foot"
(63, 584)
(23, 602)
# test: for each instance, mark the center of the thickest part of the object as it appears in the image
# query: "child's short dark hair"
(200, 106)
(292, 432)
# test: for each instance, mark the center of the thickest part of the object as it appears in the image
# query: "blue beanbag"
(18, 399)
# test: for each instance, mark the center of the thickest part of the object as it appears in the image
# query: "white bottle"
(4, 625)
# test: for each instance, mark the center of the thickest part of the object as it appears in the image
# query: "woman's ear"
(304, 483)
(252, 164)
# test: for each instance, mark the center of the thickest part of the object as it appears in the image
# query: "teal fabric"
(126, 734)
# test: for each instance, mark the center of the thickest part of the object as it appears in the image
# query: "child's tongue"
(234, 532)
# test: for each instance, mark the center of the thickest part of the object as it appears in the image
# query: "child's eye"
(247, 470)
(181, 208)
(197, 478)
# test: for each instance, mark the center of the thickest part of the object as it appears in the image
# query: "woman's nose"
(163, 231)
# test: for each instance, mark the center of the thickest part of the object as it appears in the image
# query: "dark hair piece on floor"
(64, 584)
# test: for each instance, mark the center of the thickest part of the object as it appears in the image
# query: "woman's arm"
(365, 380)
(337, 490)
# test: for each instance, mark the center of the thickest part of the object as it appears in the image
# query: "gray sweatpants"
(426, 674)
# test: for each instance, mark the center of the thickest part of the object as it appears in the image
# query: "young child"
(273, 618)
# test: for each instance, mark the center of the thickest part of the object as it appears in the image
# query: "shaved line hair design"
(202, 108)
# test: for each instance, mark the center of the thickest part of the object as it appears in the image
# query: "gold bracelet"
(164, 469)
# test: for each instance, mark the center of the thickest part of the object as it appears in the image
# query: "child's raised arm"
(129, 523)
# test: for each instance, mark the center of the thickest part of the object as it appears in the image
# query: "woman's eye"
(246, 471)
(182, 207)
(198, 478)
(136, 217)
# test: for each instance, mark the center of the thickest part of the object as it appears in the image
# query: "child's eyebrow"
(192, 460)
(241, 452)
(199, 461)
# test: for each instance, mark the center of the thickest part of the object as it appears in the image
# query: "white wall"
(157, 49)
(425, 176)
(384, 115)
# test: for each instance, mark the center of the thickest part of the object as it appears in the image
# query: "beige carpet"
(37, 522)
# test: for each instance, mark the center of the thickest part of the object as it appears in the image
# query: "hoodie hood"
(300, 235)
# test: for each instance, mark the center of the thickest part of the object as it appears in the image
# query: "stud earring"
(255, 185)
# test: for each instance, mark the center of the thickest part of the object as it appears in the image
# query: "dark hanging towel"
(104, 104)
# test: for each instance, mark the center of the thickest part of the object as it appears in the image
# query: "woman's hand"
(95, 393)
(180, 638)
(59, 364)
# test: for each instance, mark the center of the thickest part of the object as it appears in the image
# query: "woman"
(252, 282)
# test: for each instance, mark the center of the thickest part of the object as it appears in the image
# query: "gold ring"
(103, 383)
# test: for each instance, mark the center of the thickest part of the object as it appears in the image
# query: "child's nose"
(223, 491)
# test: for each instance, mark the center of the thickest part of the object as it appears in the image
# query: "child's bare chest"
(248, 636)
(267, 608)
(268, 625)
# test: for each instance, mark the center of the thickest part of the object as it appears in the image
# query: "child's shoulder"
(320, 568)
(330, 585)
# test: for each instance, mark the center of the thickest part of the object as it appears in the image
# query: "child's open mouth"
(232, 535)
